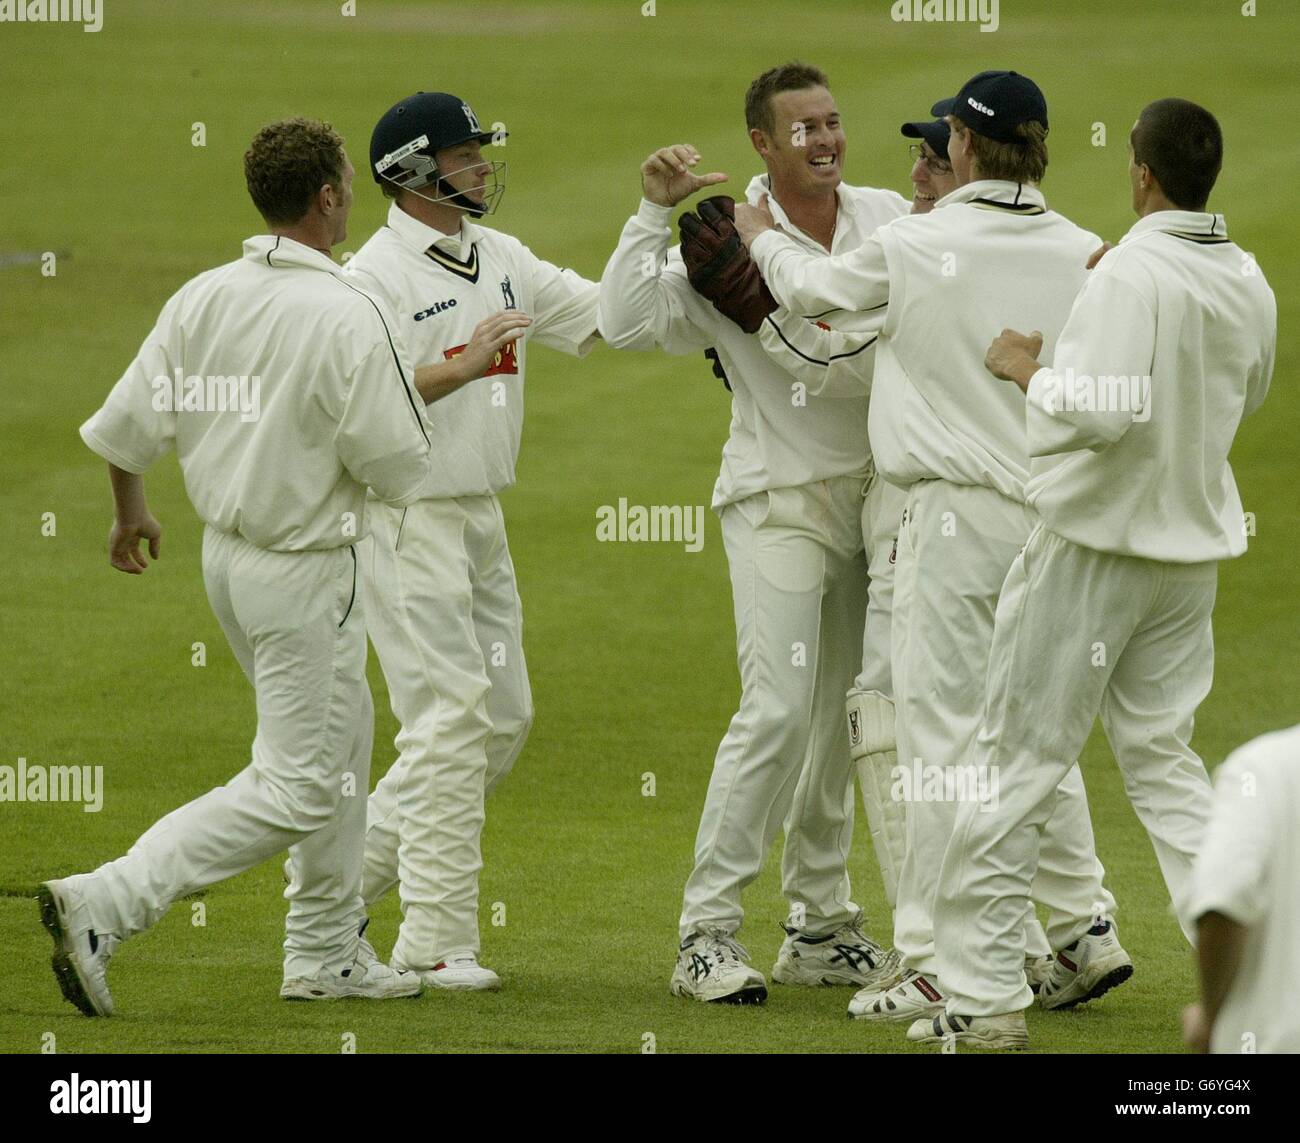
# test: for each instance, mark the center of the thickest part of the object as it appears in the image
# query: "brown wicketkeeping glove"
(719, 266)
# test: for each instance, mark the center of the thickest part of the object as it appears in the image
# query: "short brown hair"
(1024, 162)
(287, 163)
(1183, 145)
(794, 76)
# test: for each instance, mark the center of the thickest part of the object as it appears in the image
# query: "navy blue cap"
(935, 132)
(995, 103)
(426, 122)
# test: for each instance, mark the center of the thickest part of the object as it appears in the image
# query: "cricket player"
(807, 351)
(1245, 903)
(990, 248)
(446, 618)
(277, 467)
(831, 365)
(790, 497)
(1107, 609)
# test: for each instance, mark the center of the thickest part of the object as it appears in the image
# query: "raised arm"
(646, 301)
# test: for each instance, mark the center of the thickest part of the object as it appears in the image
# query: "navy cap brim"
(483, 137)
(935, 132)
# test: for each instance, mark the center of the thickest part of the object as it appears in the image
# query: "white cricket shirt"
(285, 391)
(440, 286)
(989, 256)
(781, 435)
(1249, 870)
(1179, 305)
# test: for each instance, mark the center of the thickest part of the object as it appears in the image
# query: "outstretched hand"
(666, 176)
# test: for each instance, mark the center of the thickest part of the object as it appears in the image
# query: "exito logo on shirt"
(436, 308)
(505, 361)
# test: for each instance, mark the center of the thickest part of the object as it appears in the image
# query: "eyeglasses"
(933, 165)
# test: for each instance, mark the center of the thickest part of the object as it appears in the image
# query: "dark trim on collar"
(273, 250)
(467, 269)
(1199, 239)
(1017, 207)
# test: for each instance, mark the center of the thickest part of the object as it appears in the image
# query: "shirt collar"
(279, 252)
(1196, 224)
(420, 236)
(761, 185)
(995, 190)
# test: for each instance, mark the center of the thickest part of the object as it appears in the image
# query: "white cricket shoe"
(461, 973)
(1037, 970)
(368, 979)
(845, 956)
(1087, 969)
(1007, 1031)
(80, 953)
(714, 967)
(914, 997)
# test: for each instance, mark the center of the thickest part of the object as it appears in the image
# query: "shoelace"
(727, 949)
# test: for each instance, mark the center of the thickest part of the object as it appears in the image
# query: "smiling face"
(804, 152)
(932, 178)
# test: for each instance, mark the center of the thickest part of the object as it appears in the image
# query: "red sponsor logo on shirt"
(505, 361)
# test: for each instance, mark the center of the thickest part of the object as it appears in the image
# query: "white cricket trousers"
(295, 621)
(1079, 632)
(955, 547)
(447, 624)
(799, 588)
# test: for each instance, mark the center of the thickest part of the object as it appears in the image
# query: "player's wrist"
(654, 213)
(1023, 369)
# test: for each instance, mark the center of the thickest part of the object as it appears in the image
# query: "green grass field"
(631, 647)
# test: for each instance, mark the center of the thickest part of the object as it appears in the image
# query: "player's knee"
(309, 805)
(778, 719)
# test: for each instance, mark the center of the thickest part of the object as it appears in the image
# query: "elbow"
(621, 334)
(405, 492)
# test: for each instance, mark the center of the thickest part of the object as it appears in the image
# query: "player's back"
(284, 393)
(990, 257)
(1164, 489)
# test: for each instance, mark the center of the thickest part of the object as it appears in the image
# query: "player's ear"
(759, 141)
